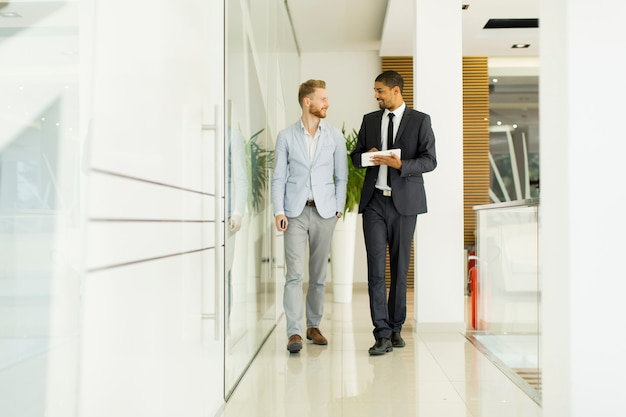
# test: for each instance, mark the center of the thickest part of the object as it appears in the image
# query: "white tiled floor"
(435, 375)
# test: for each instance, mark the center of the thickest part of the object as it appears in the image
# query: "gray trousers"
(311, 227)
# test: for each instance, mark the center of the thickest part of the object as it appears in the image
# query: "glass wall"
(41, 208)
(46, 72)
(504, 286)
(259, 49)
(508, 292)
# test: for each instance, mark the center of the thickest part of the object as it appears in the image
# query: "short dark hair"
(391, 79)
(308, 87)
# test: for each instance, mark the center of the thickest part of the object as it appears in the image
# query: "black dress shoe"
(397, 340)
(382, 346)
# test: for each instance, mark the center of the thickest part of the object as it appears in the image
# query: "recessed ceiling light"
(511, 24)
(495, 80)
(520, 46)
(10, 14)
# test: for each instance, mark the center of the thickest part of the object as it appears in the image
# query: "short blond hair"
(308, 87)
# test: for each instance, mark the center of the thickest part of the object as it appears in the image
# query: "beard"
(318, 112)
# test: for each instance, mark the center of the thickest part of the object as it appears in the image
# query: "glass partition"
(41, 209)
(507, 292)
(259, 48)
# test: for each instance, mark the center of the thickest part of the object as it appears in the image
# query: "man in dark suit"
(392, 196)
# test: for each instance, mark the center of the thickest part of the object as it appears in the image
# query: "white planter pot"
(342, 258)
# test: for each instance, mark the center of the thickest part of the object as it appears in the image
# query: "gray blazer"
(327, 172)
(416, 139)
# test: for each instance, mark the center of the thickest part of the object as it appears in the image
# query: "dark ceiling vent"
(511, 24)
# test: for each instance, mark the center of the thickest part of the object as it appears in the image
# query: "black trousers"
(383, 226)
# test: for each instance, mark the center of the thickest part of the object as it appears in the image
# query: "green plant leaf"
(259, 162)
(356, 176)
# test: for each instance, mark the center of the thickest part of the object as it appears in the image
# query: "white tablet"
(365, 157)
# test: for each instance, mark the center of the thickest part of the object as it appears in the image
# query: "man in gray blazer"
(308, 194)
(392, 196)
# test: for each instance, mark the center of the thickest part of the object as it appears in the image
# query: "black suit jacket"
(416, 139)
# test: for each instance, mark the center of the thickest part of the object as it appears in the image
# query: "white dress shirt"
(381, 181)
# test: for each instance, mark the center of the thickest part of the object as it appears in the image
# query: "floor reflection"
(434, 375)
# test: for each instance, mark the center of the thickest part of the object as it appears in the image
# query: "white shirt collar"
(320, 127)
(397, 112)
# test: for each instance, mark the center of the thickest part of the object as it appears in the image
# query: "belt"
(310, 203)
(385, 193)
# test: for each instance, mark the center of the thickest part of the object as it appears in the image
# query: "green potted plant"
(343, 243)
(355, 175)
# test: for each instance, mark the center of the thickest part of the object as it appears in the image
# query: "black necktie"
(389, 143)
(390, 131)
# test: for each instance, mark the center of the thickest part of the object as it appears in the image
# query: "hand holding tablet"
(366, 157)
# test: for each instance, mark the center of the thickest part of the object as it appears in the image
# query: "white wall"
(582, 208)
(350, 85)
(438, 88)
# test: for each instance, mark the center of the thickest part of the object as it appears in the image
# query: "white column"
(583, 199)
(438, 75)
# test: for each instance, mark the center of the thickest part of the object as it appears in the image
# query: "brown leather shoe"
(315, 335)
(295, 343)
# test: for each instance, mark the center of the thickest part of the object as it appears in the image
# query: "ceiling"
(385, 25)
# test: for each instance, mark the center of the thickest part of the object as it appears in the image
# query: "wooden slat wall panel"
(475, 141)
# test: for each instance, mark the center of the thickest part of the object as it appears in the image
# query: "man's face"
(318, 103)
(388, 98)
